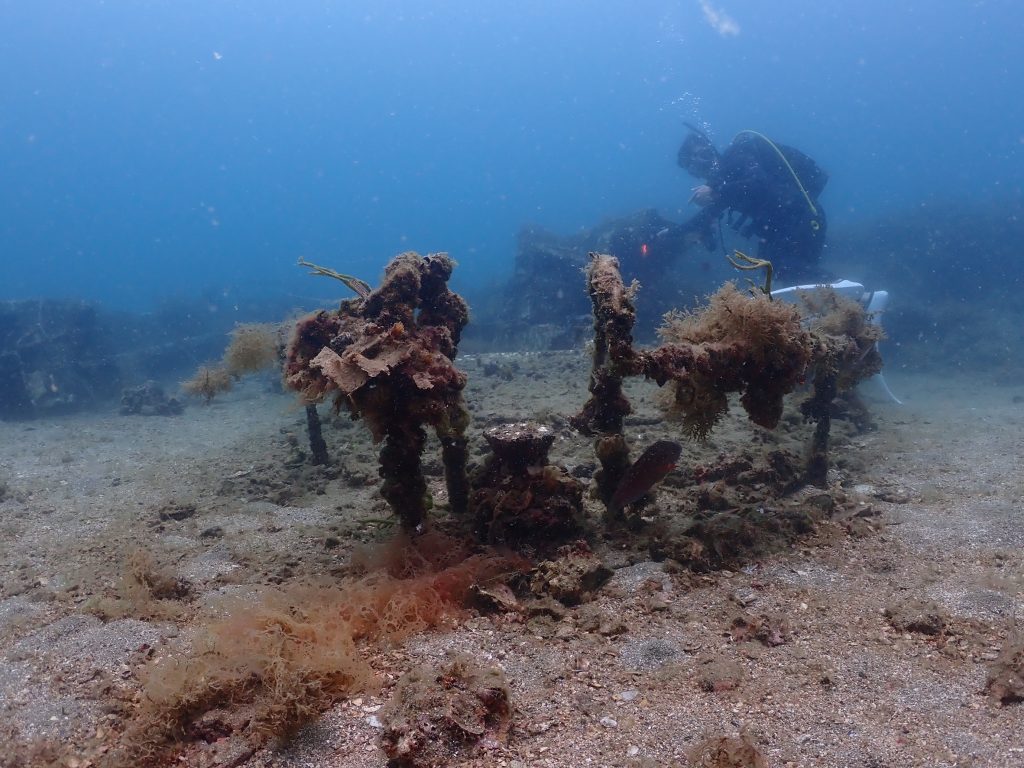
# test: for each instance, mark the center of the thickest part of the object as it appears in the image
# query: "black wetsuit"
(764, 201)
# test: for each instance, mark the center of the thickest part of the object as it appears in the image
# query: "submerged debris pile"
(261, 665)
(55, 357)
(149, 399)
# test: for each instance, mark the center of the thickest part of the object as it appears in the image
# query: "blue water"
(174, 148)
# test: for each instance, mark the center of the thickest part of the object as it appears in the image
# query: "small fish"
(646, 472)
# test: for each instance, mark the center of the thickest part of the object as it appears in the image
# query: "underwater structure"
(54, 358)
(387, 356)
(541, 307)
(517, 538)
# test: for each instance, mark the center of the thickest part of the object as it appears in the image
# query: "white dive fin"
(874, 303)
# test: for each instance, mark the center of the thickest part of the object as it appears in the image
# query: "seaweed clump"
(254, 347)
(737, 343)
(146, 590)
(278, 656)
(386, 357)
(208, 382)
(846, 352)
(750, 344)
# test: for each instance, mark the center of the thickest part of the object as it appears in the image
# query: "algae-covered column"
(819, 408)
(845, 353)
(614, 358)
(387, 356)
(317, 444)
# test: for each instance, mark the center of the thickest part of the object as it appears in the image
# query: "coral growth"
(146, 590)
(387, 358)
(613, 359)
(518, 497)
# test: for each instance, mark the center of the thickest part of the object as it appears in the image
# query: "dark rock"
(438, 715)
(493, 599)
(53, 359)
(572, 577)
(149, 399)
(584, 471)
(177, 512)
(916, 615)
(546, 606)
(1006, 674)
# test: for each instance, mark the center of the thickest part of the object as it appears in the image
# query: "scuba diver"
(770, 193)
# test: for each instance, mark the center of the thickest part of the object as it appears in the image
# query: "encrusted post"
(614, 358)
(819, 408)
(316, 438)
(387, 356)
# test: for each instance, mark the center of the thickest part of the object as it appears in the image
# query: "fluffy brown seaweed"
(254, 347)
(279, 656)
(208, 382)
(736, 343)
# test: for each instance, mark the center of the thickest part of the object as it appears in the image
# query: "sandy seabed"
(638, 676)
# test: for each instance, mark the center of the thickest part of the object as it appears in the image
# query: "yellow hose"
(800, 185)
